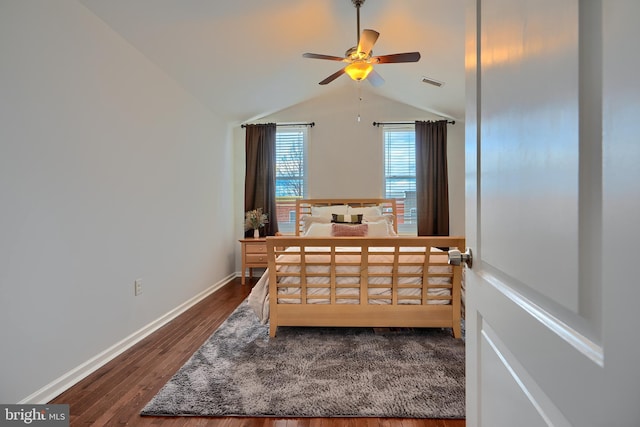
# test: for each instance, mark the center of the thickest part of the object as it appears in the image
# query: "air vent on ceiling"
(432, 81)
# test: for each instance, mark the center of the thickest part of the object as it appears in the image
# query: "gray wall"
(109, 172)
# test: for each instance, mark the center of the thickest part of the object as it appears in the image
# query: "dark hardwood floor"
(115, 393)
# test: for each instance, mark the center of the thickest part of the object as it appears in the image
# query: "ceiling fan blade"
(396, 57)
(332, 77)
(319, 56)
(367, 40)
(375, 79)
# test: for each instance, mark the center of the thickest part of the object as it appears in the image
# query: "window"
(400, 174)
(291, 172)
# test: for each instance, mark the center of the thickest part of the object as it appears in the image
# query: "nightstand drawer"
(254, 255)
(256, 248)
(256, 259)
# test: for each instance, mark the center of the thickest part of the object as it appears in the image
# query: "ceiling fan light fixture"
(358, 70)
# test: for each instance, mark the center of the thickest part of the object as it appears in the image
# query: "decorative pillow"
(318, 229)
(346, 219)
(349, 230)
(368, 211)
(326, 211)
(308, 221)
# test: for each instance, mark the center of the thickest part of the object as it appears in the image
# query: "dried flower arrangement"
(255, 219)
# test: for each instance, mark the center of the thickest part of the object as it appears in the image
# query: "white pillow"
(309, 220)
(383, 218)
(380, 229)
(326, 211)
(369, 211)
(318, 229)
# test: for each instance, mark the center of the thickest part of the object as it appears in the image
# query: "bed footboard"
(361, 281)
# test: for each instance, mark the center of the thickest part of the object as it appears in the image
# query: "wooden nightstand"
(254, 255)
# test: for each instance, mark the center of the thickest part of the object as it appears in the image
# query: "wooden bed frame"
(422, 312)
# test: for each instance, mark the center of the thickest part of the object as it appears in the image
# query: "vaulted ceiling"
(243, 58)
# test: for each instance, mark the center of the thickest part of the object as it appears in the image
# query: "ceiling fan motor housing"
(354, 55)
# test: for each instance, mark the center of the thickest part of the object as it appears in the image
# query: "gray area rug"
(318, 372)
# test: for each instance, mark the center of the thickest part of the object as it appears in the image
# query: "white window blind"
(400, 174)
(291, 171)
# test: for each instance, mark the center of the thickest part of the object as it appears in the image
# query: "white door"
(553, 211)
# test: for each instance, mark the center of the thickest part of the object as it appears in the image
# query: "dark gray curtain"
(432, 183)
(260, 178)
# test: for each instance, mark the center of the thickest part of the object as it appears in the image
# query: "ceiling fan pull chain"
(359, 100)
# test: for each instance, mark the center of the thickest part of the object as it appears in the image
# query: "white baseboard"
(59, 385)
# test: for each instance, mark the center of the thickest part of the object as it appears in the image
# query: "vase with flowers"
(254, 220)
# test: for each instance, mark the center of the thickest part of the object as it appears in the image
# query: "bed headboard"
(303, 207)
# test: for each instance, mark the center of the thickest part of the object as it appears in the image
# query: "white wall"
(345, 156)
(109, 172)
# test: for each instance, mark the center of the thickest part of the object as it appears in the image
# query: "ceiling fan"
(359, 59)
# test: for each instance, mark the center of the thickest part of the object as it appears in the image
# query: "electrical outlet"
(137, 287)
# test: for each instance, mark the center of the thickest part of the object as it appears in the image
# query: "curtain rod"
(311, 124)
(451, 122)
